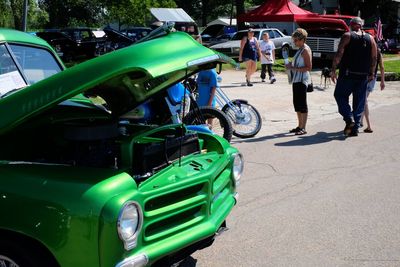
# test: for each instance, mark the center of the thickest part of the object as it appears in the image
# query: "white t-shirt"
(266, 52)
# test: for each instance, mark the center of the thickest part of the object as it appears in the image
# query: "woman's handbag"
(310, 87)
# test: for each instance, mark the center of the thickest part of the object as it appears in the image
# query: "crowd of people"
(358, 59)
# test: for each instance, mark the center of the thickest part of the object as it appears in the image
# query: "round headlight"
(129, 224)
(237, 167)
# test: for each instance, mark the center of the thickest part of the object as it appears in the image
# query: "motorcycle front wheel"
(211, 118)
(245, 119)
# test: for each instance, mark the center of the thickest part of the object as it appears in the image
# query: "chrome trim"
(132, 259)
(236, 197)
(5, 261)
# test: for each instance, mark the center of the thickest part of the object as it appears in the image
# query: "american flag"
(378, 29)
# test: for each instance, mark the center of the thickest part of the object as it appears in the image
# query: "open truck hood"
(322, 24)
(124, 78)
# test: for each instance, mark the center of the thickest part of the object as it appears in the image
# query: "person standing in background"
(357, 57)
(370, 88)
(249, 50)
(267, 48)
(300, 78)
(206, 85)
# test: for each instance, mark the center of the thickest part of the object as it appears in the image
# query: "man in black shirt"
(357, 57)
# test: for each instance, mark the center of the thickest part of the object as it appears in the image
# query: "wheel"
(219, 124)
(22, 252)
(11, 256)
(245, 119)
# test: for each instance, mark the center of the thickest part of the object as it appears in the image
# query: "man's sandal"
(368, 130)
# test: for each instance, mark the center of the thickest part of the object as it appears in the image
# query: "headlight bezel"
(237, 174)
(130, 242)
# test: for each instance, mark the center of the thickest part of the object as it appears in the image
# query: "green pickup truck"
(83, 184)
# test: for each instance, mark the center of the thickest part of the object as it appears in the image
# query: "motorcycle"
(245, 119)
(183, 108)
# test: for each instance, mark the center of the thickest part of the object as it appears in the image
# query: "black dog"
(326, 73)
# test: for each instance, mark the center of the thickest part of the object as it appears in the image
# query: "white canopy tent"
(171, 14)
(222, 21)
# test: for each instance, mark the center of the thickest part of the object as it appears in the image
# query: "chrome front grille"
(321, 44)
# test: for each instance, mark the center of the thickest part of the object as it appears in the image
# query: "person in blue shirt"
(206, 85)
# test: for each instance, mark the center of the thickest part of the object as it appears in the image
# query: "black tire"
(246, 124)
(12, 255)
(19, 251)
(220, 125)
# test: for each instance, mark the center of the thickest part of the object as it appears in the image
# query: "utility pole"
(25, 15)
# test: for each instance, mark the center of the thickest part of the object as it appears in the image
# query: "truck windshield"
(36, 64)
(10, 77)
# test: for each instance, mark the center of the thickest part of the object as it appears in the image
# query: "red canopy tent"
(276, 10)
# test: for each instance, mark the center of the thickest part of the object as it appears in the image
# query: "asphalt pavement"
(314, 200)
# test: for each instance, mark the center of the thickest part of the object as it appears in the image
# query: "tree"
(5, 14)
(133, 12)
(72, 13)
(12, 12)
(240, 10)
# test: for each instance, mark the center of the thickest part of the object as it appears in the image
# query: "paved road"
(318, 199)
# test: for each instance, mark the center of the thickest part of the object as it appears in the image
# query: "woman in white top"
(300, 68)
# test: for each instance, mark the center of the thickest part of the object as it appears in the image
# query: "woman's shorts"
(300, 97)
(371, 85)
(247, 59)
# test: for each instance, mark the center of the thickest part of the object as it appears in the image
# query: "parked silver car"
(232, 47)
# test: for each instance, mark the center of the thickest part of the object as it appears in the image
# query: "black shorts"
(300, 97)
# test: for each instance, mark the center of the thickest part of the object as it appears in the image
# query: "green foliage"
(5, 15)
(12, 12)
(72, 13)
(133, 12)
(204, 11)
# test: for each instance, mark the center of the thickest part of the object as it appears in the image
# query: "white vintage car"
(232, 47)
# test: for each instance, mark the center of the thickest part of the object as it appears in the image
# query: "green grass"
(385, 56)
(278, 66)
(392, 65)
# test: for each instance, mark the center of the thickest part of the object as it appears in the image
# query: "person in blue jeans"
(206, 85)
(357, 57)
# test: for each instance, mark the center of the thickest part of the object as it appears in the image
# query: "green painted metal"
(13, 36)
(73, 210)
(167, 60)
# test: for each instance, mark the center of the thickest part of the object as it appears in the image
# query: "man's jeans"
(346, 87)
